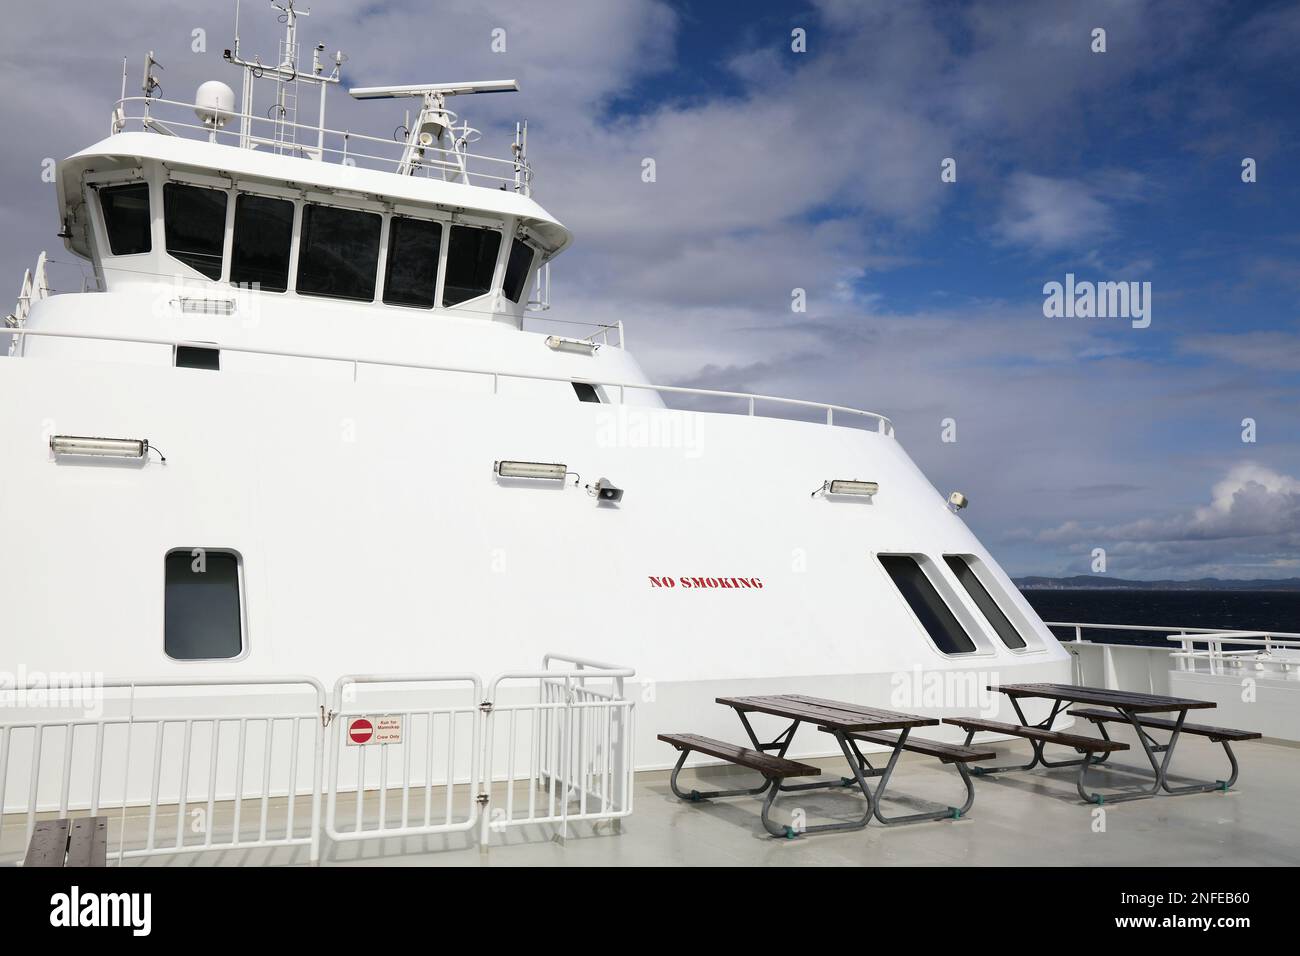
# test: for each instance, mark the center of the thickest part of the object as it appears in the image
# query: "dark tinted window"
(202, 617)
(984, 601)
(586, 392)
(939, 622)
(126, 218)
(263, 234)
(338, 252)
(196, 356)
(520, 261)
(471, 260)
(411, 273)
(194, 219)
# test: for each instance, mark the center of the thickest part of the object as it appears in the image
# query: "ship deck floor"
(1032, 819)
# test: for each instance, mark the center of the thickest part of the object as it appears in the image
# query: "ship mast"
(288, 76)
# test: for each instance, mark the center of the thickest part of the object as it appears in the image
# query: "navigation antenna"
(436, 140)
(288, 77)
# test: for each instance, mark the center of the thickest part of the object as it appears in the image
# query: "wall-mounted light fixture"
(957, 501)
(530, 469)
(130, 448)
(843, 486)
(561, 344)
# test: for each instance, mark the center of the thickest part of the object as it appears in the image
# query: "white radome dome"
(214, 103)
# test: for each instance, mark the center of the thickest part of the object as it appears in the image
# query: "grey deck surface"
(1034, 819)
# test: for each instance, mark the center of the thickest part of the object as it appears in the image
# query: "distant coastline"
(1102, 582)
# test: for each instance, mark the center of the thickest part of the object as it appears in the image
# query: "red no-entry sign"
(360, 730)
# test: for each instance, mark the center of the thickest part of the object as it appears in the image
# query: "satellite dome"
(214, 103)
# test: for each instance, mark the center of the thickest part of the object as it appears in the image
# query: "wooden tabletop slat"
(1138, 703)
(836, 715)
(49, 846)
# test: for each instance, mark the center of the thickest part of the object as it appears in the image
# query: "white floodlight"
(560, 344)
(100, 447)
(843, 486)
(444, 89)
(957, 501)
(530, 469)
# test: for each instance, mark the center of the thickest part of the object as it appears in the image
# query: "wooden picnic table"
(843, 721)
(1125, 707)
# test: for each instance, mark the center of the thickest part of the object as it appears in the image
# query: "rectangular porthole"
(263, 236)
(586, 392)
(194, 222)
(197, 356)
(927, 604)
(964, 571)
(126, 218)
(338, 252)
(203, 616)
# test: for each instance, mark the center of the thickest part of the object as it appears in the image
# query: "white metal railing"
(437, 756)
(1277, 651)
(551, 746)
(570, 748)
(277, 135)
(231, 775)
(883, 424)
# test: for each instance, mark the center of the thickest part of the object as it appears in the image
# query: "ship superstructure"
(306, 362)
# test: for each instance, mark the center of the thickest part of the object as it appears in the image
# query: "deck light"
(561, 344)
(957, 501)
(100, 447)
(530, 469)
(842, 486)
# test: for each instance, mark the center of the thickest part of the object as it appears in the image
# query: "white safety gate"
(431, 754)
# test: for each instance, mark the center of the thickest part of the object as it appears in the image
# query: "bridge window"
(411, 273)
(195, 224)
(126, 218)
(517, 266)
(263, 236)
(471, 262)
(203, 616)
(338, 252)
(961, 567)
(927, 604)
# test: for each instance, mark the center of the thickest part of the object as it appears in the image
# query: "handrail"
(1167, 630)
(437, 160)
(883, 425)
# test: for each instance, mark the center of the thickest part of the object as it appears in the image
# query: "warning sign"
(364, 731)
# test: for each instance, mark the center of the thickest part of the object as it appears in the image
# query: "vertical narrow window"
(471, 261)
(411, 272)
(517, 266)
(927, 604)
(126, 218)
(263, 236)
(984, 601)
(338, 252)
(194, 220)
(203, 616)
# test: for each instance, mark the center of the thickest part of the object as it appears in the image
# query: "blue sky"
(779, 170)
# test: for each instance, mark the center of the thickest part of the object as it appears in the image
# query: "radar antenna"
(436, 140)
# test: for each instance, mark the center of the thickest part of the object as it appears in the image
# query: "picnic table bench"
(1125, 707)
(850, 724)
(82, 841)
